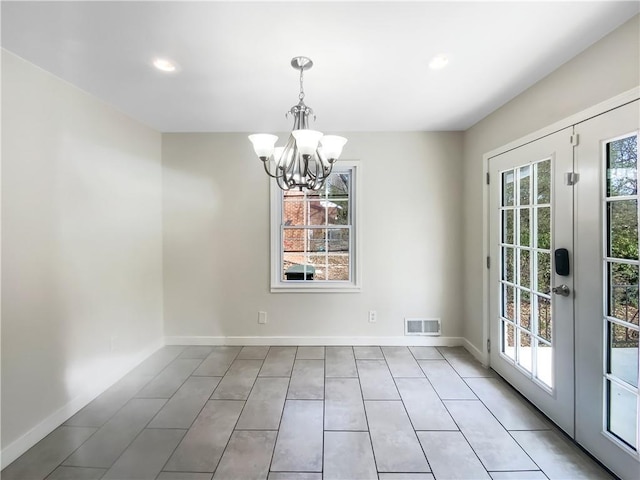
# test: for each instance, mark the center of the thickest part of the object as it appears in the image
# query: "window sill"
(309, 287)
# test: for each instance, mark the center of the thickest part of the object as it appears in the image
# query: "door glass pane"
(508, 188)
(544, 363)
(524, 350)
(508, 227)
(525, 268)
(509, 340)
(508, 303)
(623, 413)
(622, 218)
(543, 227)
(544, 319)
(525, 185)
(525, 309)
(507, 264)
(525, 226)
(622, 167)
(543, 182)
(623, 354)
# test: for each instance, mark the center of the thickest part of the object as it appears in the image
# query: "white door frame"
(598, 109)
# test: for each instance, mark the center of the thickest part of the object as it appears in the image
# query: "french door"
(531, 218)
(564, 281)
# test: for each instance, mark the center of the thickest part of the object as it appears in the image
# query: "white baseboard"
(479, 355)
(286, 340)
(16, 448)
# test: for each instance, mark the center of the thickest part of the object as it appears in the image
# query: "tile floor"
(306, 413)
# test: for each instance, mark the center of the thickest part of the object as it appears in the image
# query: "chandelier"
(306, 160)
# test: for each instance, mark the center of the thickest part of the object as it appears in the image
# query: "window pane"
(623, 413)
(319, 261)
(317, 241)
(317, 212)
(338, 267)
(544, 272)
(294, 239)
(543, 230)
(507, 226)
(622, 225)
(545, 321)
(524, 355)
(543, 181)
(337, 186)
(338, 240)
(525, 185)
(544, 363)
(525, 226)
(508, 340)
(297, 267)
(508, 187)
(623, 292)
(525, 268)
(294, 212)
(337, 212)
(623, 353)
(525, 309)
(622, 167)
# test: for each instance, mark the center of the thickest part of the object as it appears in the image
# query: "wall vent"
(422, 326)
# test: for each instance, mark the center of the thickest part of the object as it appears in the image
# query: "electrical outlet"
(373, 316)
(262, 317)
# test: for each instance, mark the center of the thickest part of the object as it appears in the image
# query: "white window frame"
(325, 286)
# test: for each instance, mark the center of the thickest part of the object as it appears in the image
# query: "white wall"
(216, 240)
(81, 249)
(607, 68)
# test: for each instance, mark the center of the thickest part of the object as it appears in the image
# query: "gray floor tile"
(108, 443)
(217, 362)
(307, 380)
(451, 457)
(529, 475)
(343, 406)
(426, 353)
(425, 409)
(157, 362)
(506, 405)
(196, 351)
(105, 406)
(238, 381)
(405, 476)
(395, 444)
(368, 353)
(170, 379)
(557, 457)
(204, 443)
(294, 476)
(146, 455)
(446, 381)
(46, 455)
(491, 442)
(247, 456)
(183, 408)
(340, 362)
(299, 444)
(348, 456)
(264, 405)
(310, 353)
(184, 476)
(253, 353)
(401, 362)
(464, 363)
(279, 362)
(376, 380)
(76, 473)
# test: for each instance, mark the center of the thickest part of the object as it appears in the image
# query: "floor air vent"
(422, 326)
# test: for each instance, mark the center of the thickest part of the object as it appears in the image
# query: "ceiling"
(370, 68)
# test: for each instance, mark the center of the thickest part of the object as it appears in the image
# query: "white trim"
(330, 341)
(275, 249)
(598, 109)
(479, 355)
(19, 446)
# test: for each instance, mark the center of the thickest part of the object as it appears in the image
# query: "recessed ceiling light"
(164, 65)
(439, 62)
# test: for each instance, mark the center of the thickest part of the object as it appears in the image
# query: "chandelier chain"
(301, 95)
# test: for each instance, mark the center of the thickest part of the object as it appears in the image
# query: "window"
(314, 235)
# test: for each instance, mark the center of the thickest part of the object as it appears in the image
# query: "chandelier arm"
(266, 169)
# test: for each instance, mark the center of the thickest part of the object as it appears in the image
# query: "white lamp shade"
(332, 146)
(263, 144)
(307, 140)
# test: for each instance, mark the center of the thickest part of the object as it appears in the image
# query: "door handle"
(562, 290)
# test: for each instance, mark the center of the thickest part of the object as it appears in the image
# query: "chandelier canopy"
(306, 160)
